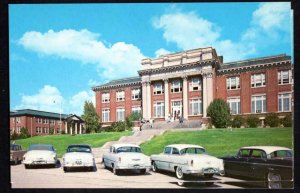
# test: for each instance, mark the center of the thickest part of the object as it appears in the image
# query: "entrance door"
(176, 109)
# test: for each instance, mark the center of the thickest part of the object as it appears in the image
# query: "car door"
(257, 164)
(239, 164)
(173, 159)
(164, 159)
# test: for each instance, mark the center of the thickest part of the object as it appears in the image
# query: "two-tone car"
(271, 165)
(126, 157)
(187, 159)
(16, 153)
(40, 154)
(78, 156)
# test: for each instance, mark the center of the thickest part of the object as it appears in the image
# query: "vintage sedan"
(187, 159)
(16, 153)
(126, 157)
(271, 165)
(40, 154)
(78, 156)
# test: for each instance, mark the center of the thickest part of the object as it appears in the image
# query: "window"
(38, 120)
(38, 130)
(285, 77)
(195, 106)
(136, 94)
(18, 129)
(46, 130)
(284, 102)
(136, 110)
(52, 122)
(158, 88)
(244, 153)
(234, 105)
(258, 80)
(159, 109)
(175, 151)
(120, 95)
(105, 97)
(46, 121)
(105, 115)
(120, 114)
(195, 84)
(258, 104)
(176, 86)
(18, 119)
(167, 150)
(258, 154)
(233, 83)
(58, 130)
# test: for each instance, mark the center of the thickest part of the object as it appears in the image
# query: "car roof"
(79, 145)
(182, 146)
(267, 149)
(41, 145)
(124, 144)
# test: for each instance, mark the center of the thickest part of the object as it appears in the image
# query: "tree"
(219, 112)
(272, 120)
(135, 116)
(24, 133)
(90, 117)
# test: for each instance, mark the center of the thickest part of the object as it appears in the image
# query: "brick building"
(40, 122)
(184, 84)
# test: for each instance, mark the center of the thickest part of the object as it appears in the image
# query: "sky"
(58, 52)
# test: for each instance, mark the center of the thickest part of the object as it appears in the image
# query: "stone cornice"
(116, 86)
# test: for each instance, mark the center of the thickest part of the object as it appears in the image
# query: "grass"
(222, 142)
(61, 142)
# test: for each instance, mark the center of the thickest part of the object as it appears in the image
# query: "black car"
(271, 165)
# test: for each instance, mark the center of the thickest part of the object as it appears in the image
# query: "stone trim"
(116, 86)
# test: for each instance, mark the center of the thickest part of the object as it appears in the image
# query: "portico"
(74, 125)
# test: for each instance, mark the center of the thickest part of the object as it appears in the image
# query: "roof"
(267, 149)
(79, 145)
(120, 82)
(182, 146)
(38, 113)
(124, 144)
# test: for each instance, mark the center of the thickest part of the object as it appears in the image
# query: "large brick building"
(184, 84)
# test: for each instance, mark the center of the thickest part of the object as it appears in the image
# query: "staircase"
(173, 125)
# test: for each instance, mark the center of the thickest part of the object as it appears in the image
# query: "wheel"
(66, 169)
(179, 173)
(274, 181)
(27, 166)
(208, 176)
(91, 168)
(209, 183)
(115, 171)
(142, 171)
(154, 167)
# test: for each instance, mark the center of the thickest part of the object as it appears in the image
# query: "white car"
(186, 159)
(78, 156)
(40, 154)
(126, 157)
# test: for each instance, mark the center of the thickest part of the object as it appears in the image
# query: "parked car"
(40, 154)
(126, 157)
(16, 153)
(187, 159)
(270, 164)
(78, 156)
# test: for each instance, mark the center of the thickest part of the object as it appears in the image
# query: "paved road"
(102, 178)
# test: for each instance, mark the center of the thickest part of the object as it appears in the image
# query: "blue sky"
(58, 52)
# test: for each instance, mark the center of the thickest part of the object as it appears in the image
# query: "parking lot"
(42, 177)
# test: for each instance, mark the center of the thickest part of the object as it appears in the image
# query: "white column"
(71, 129)
(80, 128)
(209, 88)
(166, 99)
(144, 99)
(76, 128)
(204, 95)
(148, 100)
(185, 97)
(66, 127)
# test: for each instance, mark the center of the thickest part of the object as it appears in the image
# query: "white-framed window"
(136, 94)
(120, 95)
(38, 130)
(285, 77)
(176, 86)
(258, 80)
(159, 109)
(38, 120)
(18, 129)
(136, 110)
(195, 84)
(120, 114)
(105, 115)
(158, 88)
(284, 102)
(58, 130)
(46, 130)
(52, 121)
(258, 104)
(234, 105)
(18, 119)
(233, 83)
(46, 121)
(195, 106)
(105, 97)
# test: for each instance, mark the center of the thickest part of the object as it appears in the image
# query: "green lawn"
(61, 142)
(221, 142)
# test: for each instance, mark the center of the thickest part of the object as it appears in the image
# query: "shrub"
(132, 117)
(51, 131)
(118, 126)
(219, 112)
(237, 121)
(287, 121)
(252, 121)
(63, 132)
(14, 136)
(272, 120)
(24, 133)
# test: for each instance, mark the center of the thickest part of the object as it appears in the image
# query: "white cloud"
(161, 51)
(84, 46)
(77, 101)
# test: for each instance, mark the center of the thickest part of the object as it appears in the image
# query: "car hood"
(39, 154)
(78, 155)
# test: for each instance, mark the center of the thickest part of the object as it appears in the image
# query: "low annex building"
(40, 122)
(183, 84)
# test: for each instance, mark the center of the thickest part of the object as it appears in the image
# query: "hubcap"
(179, 172)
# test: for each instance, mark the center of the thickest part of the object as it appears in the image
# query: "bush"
(51, 131)
(63, 132)
(252, 121)
(237, 122)
(219, 113)
(132, 117)
(287, 121)
(14, 136)
(272, 120)
(118, 126)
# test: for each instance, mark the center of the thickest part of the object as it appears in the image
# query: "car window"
(83, 149)
(193, 150)
(175, 151)
(258, 154)
(41, 147)
(167, 150)
(129, 149)
(281, 154)
(244, 153)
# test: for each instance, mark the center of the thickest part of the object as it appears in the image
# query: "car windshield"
(192, 150)
(79, 149)
(129, 149)
(41, 147)
(281, 154)
(14, 147)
